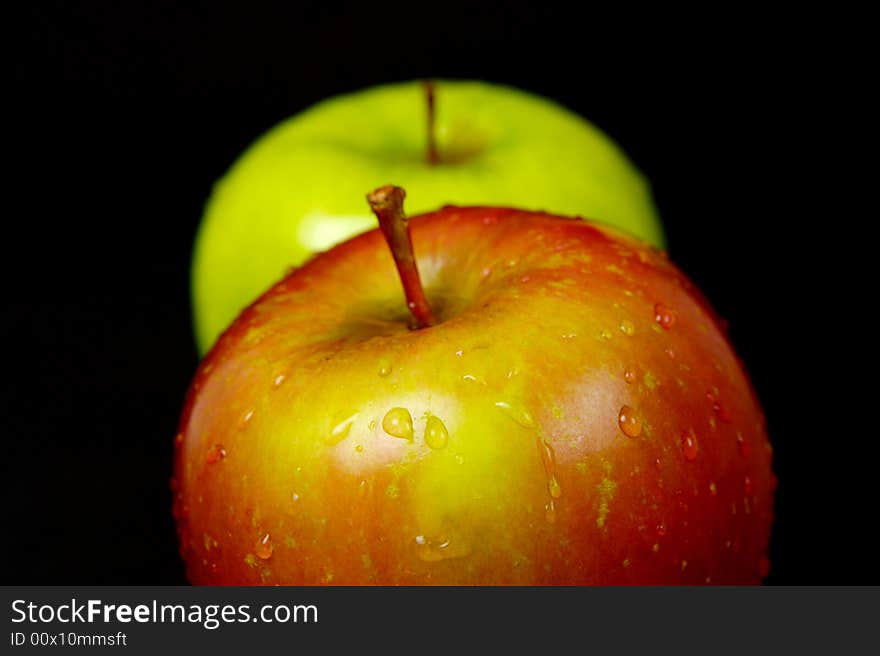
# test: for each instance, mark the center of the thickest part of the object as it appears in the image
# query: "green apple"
(298, 189)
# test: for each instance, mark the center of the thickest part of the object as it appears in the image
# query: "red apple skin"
(285, 475)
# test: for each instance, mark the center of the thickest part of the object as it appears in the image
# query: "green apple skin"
(299, 189)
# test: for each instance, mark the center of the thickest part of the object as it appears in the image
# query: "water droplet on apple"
(629, 421)
(264, 548)
(384, 367)
(445, 547)
(747, 485)
(717, 407)
(519, 414)
(279, 379)
(436, 434)
(742, 446)
(689, 445)
(548, 456)
(294, 497)
(548, 459)
(713, 489)
(247, 417)
(397, 422)
(721, 412)
(340, 431)
(661, 529)
(664, 316)
(215, 454)
(553, 487)
(629, 377)
(627, 327)
(550, 512)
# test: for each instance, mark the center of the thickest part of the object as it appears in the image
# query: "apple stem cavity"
(432, 156)
(387, 204)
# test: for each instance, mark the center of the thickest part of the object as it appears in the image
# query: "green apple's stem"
(387, 204)
(432, 156)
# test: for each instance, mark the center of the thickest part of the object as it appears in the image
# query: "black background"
(125, 113)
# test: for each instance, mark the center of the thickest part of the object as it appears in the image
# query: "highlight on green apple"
(296, 190)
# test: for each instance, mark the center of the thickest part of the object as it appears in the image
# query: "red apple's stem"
(387, 204)
(432, 156)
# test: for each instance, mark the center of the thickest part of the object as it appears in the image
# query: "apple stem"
(387, 204)
(432, 156)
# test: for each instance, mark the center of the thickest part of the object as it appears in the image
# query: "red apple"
(562, 406)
